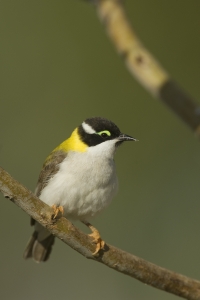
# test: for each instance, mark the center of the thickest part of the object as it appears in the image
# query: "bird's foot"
(100, 244)
(58, 212)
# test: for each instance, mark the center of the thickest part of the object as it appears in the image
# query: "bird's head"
(101, 133)
(96, 135)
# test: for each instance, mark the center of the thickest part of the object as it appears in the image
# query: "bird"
(78, 179)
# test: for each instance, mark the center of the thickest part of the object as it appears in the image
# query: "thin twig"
(143, 65)
(112, 257)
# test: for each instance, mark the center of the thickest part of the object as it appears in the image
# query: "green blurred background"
(57, 68)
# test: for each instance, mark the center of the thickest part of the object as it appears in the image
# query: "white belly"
(84, 185)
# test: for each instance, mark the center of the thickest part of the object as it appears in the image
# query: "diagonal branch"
(143, 65)
(112, 257)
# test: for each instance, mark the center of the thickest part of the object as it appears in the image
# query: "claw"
(100, 244)
(58, 212)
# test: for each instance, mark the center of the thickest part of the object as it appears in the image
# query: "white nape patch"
(88, 128)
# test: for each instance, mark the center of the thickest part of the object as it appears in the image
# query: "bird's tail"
(37, 248)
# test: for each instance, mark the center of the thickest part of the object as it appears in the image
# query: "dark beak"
(124, 137)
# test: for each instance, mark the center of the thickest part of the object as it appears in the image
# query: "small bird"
(78, 180)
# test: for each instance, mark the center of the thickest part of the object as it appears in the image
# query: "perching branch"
(143, 65)
(112, 257)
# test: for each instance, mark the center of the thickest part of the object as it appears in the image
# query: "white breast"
(85, 183)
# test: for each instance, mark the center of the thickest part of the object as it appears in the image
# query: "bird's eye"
(104, 133)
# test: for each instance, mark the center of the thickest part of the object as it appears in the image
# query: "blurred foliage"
(57, 68)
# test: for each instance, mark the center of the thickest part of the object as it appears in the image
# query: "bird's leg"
(96, 236)
(58, 212)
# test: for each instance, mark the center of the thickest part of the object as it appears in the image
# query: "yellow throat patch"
(73, 143)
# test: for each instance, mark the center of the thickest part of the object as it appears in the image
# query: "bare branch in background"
(143, 65)
(112, 257)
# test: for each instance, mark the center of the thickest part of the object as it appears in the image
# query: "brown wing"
(49, 169)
